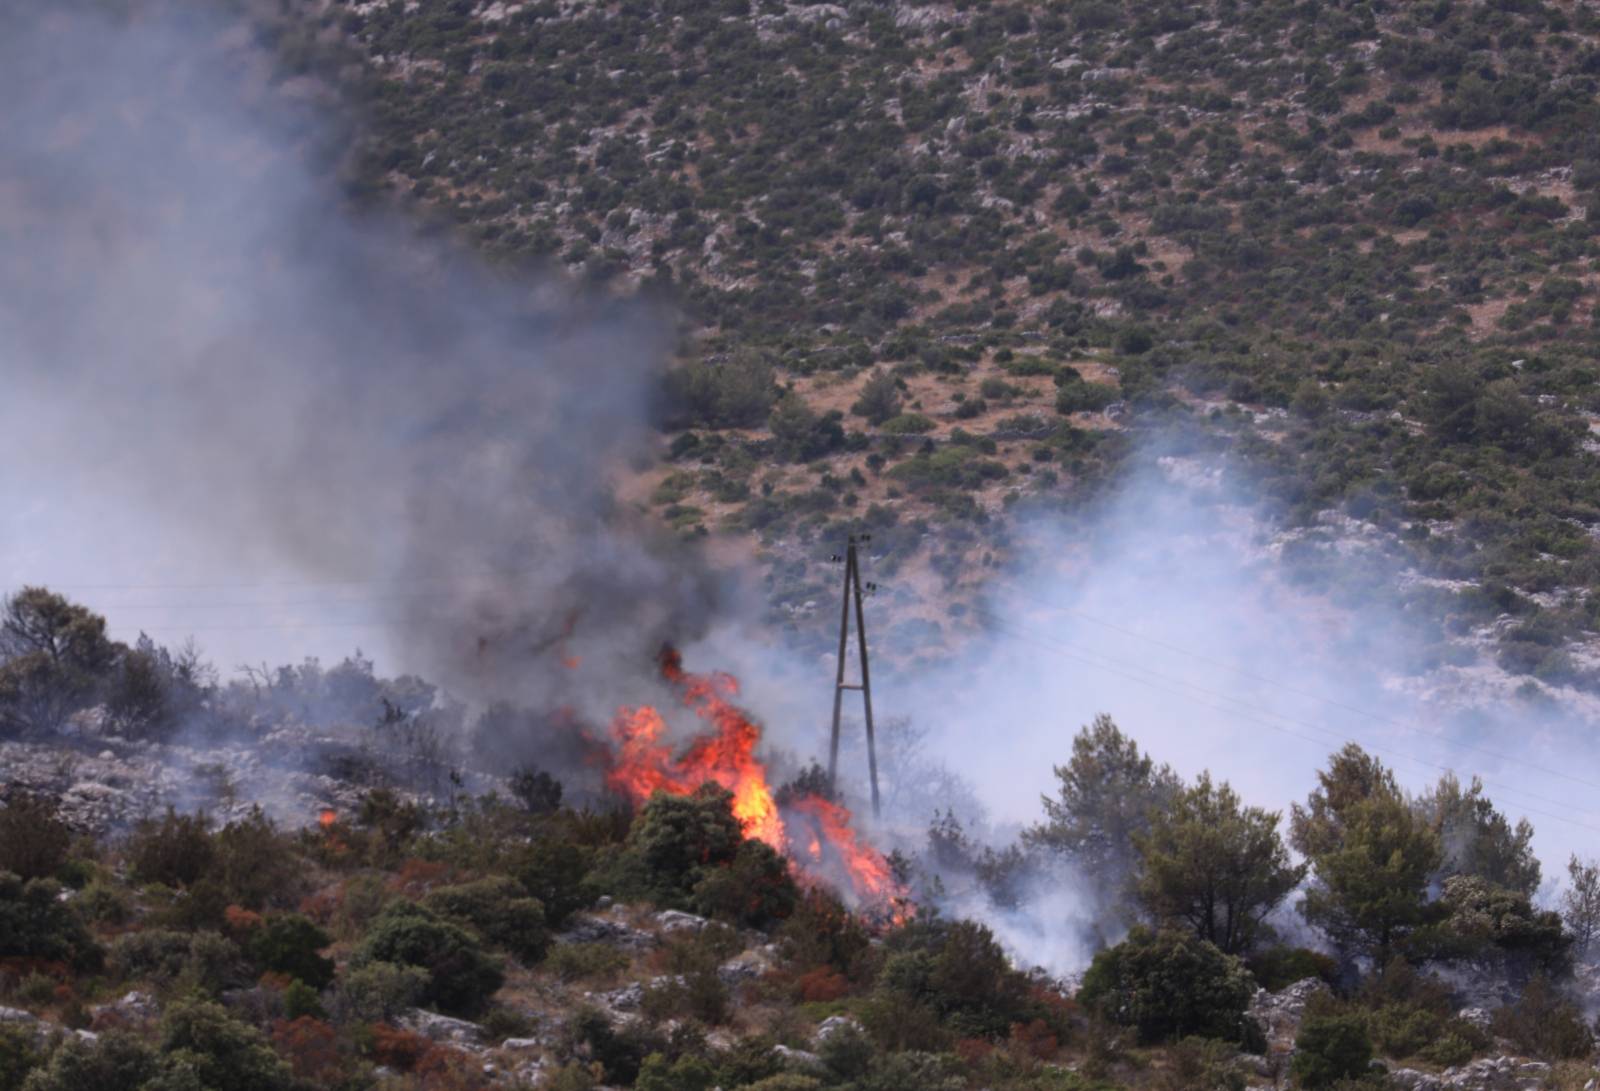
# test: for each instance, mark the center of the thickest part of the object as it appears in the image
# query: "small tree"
(1371, 889)
(1580, 905)
(56, 657)
(1107, 796)
(1214, 865)
(880, 398)
(1477, 839)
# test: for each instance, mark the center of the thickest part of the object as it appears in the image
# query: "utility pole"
(852, 595)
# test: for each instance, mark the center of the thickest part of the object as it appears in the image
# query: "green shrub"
(736, 392)
(461, 978)
(19, 1055)
(256, 863)
(36, 923)
(217, 1052)
(687, 1073)
(1545, 1023)
(1279, 967)
(880, 398)
(784, 1081)
(175, 850)
(676, 840)
(115, 1061)
(206, 960)
(378, 992)
(755, 889)
(288, 943)
(1330, 1048)
(620, 1051)
(576, 961)
(1083, 397)
(908, 424)
(1169, 985)
(33, 839)
(300, 999)
(104, 903)
(500, 911)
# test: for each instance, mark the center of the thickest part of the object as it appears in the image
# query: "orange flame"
(641, 763)
(327, 818)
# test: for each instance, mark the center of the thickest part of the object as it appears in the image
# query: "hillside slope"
(1351, 239)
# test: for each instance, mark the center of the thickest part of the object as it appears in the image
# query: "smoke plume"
(192, 323)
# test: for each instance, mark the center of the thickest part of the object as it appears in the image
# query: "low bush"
(1170, 985)
(500, 911)
(288, 943)
(1545, 1023)
(576, 961)
(461, 977)
(208, 1046)
(755, 889)
(36, 923)
(378, 992)
(1330, 1048)
(1279, 967)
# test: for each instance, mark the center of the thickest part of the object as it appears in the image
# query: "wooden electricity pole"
(852, 594)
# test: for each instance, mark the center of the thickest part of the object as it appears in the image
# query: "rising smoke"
(192, 323)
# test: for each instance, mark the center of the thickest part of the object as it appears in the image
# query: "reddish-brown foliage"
(1035, 1039)
(823, 983)
(241, 921)
(973, 1050)
(310, 1046)
(417, 877)
(400, 1049)
(442, 1069)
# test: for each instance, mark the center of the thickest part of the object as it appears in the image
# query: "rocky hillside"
(939, 259)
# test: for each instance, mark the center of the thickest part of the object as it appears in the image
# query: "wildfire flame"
(327, 818)
(640, 763)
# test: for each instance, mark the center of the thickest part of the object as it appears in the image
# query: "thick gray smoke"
(1221, 641)
(197, 336)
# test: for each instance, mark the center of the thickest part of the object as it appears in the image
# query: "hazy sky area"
(235, 413)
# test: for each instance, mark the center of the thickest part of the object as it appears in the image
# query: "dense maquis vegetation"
(1352, 238)
(509, 939)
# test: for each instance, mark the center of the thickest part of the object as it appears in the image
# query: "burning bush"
(461, 978)
(1169, 985)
